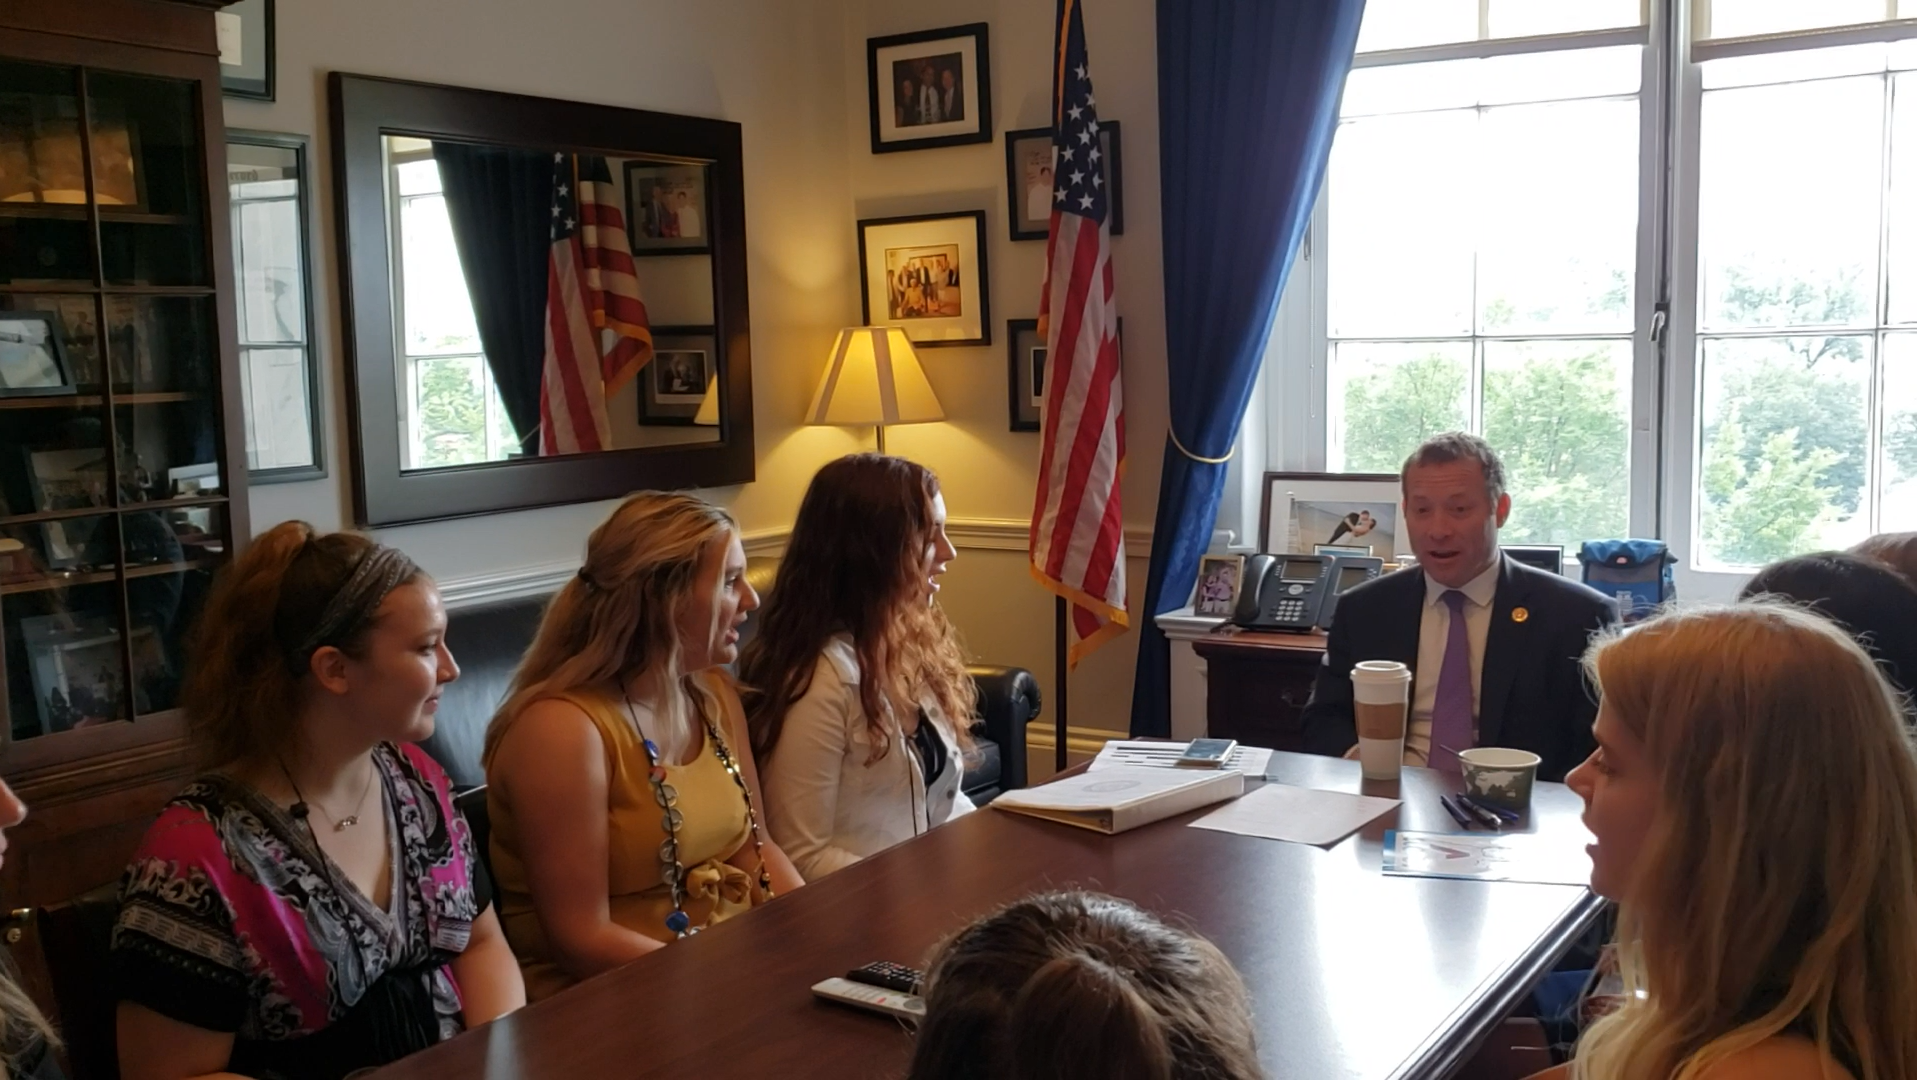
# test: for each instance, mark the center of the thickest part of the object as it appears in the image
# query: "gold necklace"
(299, 808)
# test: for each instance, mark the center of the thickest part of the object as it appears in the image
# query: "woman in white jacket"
(856, 689)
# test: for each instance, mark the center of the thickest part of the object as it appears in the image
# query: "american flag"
(597, 336)
(1078, 536)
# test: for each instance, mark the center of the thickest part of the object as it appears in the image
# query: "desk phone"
(1283, 592)
(1350, 572)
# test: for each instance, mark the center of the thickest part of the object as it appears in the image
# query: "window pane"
(1898, 494)
(1400, 236)
(1785, 441)
(1526, 18)
(1558, 247)
(1901, 273)
(1496, 80)
(449, 412)
(1386, 398)
(439, 314)
(1735, 18)
(1788, 204)
(1404, 24)
(1559, 413)
(1795, 66)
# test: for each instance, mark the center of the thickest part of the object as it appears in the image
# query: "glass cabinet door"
(113, 509)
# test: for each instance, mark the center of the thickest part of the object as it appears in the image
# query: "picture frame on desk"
(1220, 579)
(1299, 510)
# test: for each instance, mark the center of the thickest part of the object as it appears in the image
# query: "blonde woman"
(26, 1040)
(624, 800)
(1755, 807)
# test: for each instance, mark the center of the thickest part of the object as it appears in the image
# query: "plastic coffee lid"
(1380, 671)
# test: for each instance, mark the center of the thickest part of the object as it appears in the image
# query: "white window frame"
(1287, 420)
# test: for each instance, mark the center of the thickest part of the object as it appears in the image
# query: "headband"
(379, 572)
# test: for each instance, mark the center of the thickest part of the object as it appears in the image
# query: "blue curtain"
(1247, 102)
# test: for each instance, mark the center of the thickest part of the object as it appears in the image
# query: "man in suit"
(951, 104)
(1494, 645)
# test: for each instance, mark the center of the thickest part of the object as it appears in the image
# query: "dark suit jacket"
(1531, 693)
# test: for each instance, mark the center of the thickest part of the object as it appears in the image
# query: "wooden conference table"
(1352, 974)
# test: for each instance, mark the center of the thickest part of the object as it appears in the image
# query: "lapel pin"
(1520, 614)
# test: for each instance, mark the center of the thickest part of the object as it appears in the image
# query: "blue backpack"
(1636, 573)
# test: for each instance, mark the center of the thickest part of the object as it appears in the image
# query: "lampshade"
(708, 413)
(872, 376)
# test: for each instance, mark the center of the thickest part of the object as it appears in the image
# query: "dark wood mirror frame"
(365, 109)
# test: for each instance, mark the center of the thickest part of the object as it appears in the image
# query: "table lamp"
(708, 414)
(872, 376)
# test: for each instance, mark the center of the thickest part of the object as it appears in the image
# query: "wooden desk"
(1352, 974)
(1257, 684)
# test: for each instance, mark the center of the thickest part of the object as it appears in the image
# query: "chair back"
(76, 937)
(472, 806)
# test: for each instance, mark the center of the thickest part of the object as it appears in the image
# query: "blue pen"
(1457, 815)
(1480, 804)
(1486, 817)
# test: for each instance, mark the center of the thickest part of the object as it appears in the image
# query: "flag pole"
(1061, 664)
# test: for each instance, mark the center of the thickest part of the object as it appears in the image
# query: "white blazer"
(825, 806)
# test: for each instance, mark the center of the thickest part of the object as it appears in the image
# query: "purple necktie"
(1451, 726)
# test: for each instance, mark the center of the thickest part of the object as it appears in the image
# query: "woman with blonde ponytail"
(1082, 986)
(26, 1039)
(624, 800)
(1754, 801)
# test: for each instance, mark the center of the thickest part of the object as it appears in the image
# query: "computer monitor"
(1543, 556)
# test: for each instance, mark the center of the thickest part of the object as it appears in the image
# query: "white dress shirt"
(825, 805)
(1434, 630)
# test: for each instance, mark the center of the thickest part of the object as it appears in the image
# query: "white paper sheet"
(1250, 760)
(1487, 857)
(1295, 814)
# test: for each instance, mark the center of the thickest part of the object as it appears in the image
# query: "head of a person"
(1875, 603)
(948, 78)
(1364, 517)
(1454, 505)
(308, 628)
(1896, 550)
(22, 1027)
(1072, 985)
(867, 550)
(1744, 755)
(661, 593)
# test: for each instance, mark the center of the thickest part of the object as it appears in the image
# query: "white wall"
(792, 72)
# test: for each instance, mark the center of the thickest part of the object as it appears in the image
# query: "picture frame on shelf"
(668, 208)
(67, 479)
(1220, 579)
(930, 88)
(246, 43)
(75, 665)
(927, 274)
(33, 357)
(1025, 371)
(685, 364)
(1300, 510)
(1030, 192)
(269, 187)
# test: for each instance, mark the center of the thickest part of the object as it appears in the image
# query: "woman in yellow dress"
(624, 800)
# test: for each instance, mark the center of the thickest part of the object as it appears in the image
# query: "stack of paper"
(1299, 815)
(1123, 797)
(1249, 760)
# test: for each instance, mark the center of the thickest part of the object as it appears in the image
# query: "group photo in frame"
(672, 386)
(1031, 189)
(1301, 512)
(930, 89)
(667, 208)
(926, 274)
(1220, 579)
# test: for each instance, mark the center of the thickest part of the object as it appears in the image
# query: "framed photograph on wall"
(1301, 511)
(270, 191)
(1025, 371)
(929, 89)
(246, 49)
(1029, 186)
(685, 364)
(927, 274)
(666, 208)
(33, 359)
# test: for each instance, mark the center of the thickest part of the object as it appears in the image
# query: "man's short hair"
(1458, 446)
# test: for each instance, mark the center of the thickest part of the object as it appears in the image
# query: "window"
(454, 415)
(1671, 276)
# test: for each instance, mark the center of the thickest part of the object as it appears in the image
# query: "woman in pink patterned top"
(312, 904)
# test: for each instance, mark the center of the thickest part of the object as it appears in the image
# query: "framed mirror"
(520, 275)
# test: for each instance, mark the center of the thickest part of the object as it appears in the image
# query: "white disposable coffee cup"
(1381, 703)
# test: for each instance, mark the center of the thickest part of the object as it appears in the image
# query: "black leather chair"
(76, 936)
(488, 639)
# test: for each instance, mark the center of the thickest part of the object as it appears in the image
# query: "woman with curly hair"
(860, 701)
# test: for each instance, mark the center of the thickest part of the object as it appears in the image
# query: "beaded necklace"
(668, 799)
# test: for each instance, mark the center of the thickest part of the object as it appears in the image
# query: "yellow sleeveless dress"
(714, 828)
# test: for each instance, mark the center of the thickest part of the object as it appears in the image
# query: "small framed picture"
(927, 274)
(1219, 579)
(67, 479)
(33, 359)
(666, 208)
(246, 49)
(1029, 186)
(685, 364)
(929, 89)
(1353, 513)
(1025, 371)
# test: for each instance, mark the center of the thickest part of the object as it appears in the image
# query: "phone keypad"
(1287, 610)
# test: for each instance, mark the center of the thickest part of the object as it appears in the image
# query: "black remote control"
(891, 976)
